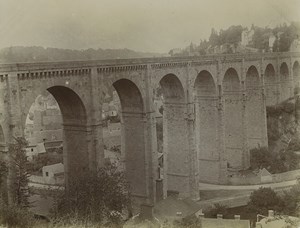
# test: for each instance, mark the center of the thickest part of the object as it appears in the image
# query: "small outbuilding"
(265, 176)
(53, 174)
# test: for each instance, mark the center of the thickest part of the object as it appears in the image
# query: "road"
(204, 186)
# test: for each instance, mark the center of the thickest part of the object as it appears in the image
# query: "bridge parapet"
(139, 63)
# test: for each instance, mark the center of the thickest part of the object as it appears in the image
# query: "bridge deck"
(8, 67)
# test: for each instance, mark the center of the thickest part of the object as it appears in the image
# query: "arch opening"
(286, 90)
(2, 137)
(284, 71)
(233, 118)
(130, 96)
(206, 126)
(231, 81)
(172, 89)
(43, 131)
(174, 134)
(254, 110)
(296, 74)
(55, 128)
(133, 138)
(270, 85)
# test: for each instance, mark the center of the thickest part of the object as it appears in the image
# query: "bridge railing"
(8, 67)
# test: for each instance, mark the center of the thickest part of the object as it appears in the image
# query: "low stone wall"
(244, 180)
(286, 176)
(274, 178)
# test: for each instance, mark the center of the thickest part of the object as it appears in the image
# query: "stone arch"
(76, 156)
(204, 84)
(254, 109)
(252, 78)
(2, 136)
(233, 120)
(233, 71)
(270, 85)
(175, 135)
(231, 81)
(206, 126)
(172, 88)
(71, 105)
(284, 82)
(296, 73)
(130, 95)
(133, 136)
(284, 71)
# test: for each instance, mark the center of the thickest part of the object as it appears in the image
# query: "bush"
(265, 199)
(217, 209)
(94, 197)
(15, 216)
(291, 201)
(273, 162)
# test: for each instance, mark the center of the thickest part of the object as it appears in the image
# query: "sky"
(141, 25)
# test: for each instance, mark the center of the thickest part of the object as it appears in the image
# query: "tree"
(97, 197)
(291, 201)
(265, 199)
(18, 173)
(214, 38)
(3, 176)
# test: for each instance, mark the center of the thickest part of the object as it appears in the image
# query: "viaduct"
(214, 112)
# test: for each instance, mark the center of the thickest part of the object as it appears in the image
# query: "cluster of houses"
(244, 46)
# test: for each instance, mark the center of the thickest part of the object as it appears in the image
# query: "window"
(47, 174)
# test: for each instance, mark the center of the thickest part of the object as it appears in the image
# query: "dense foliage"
(265, 199)
(283, 34)
(95, 197)
(273, 162)
(216, 209)
(18, 173)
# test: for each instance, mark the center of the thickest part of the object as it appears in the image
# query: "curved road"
(284, 184)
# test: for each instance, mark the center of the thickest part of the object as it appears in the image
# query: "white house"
(33, 150)
(53, 174)
(265, 176)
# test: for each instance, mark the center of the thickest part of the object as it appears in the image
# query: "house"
(273, 221)
(247, 36)
(53, 174)
(272, 40)
(295, 45)
(225, 223)
(265, 176)
(34, 149)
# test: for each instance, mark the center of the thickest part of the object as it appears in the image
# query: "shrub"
(217, 209)
(94, 197)
(265, 199)
(15, 216)
(273, 162)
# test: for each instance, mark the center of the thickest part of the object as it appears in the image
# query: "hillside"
(239, 39)
(41, 54)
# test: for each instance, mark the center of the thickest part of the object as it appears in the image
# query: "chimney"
(219, 216)
(270, 213)
(237, 217)
(146, 212)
